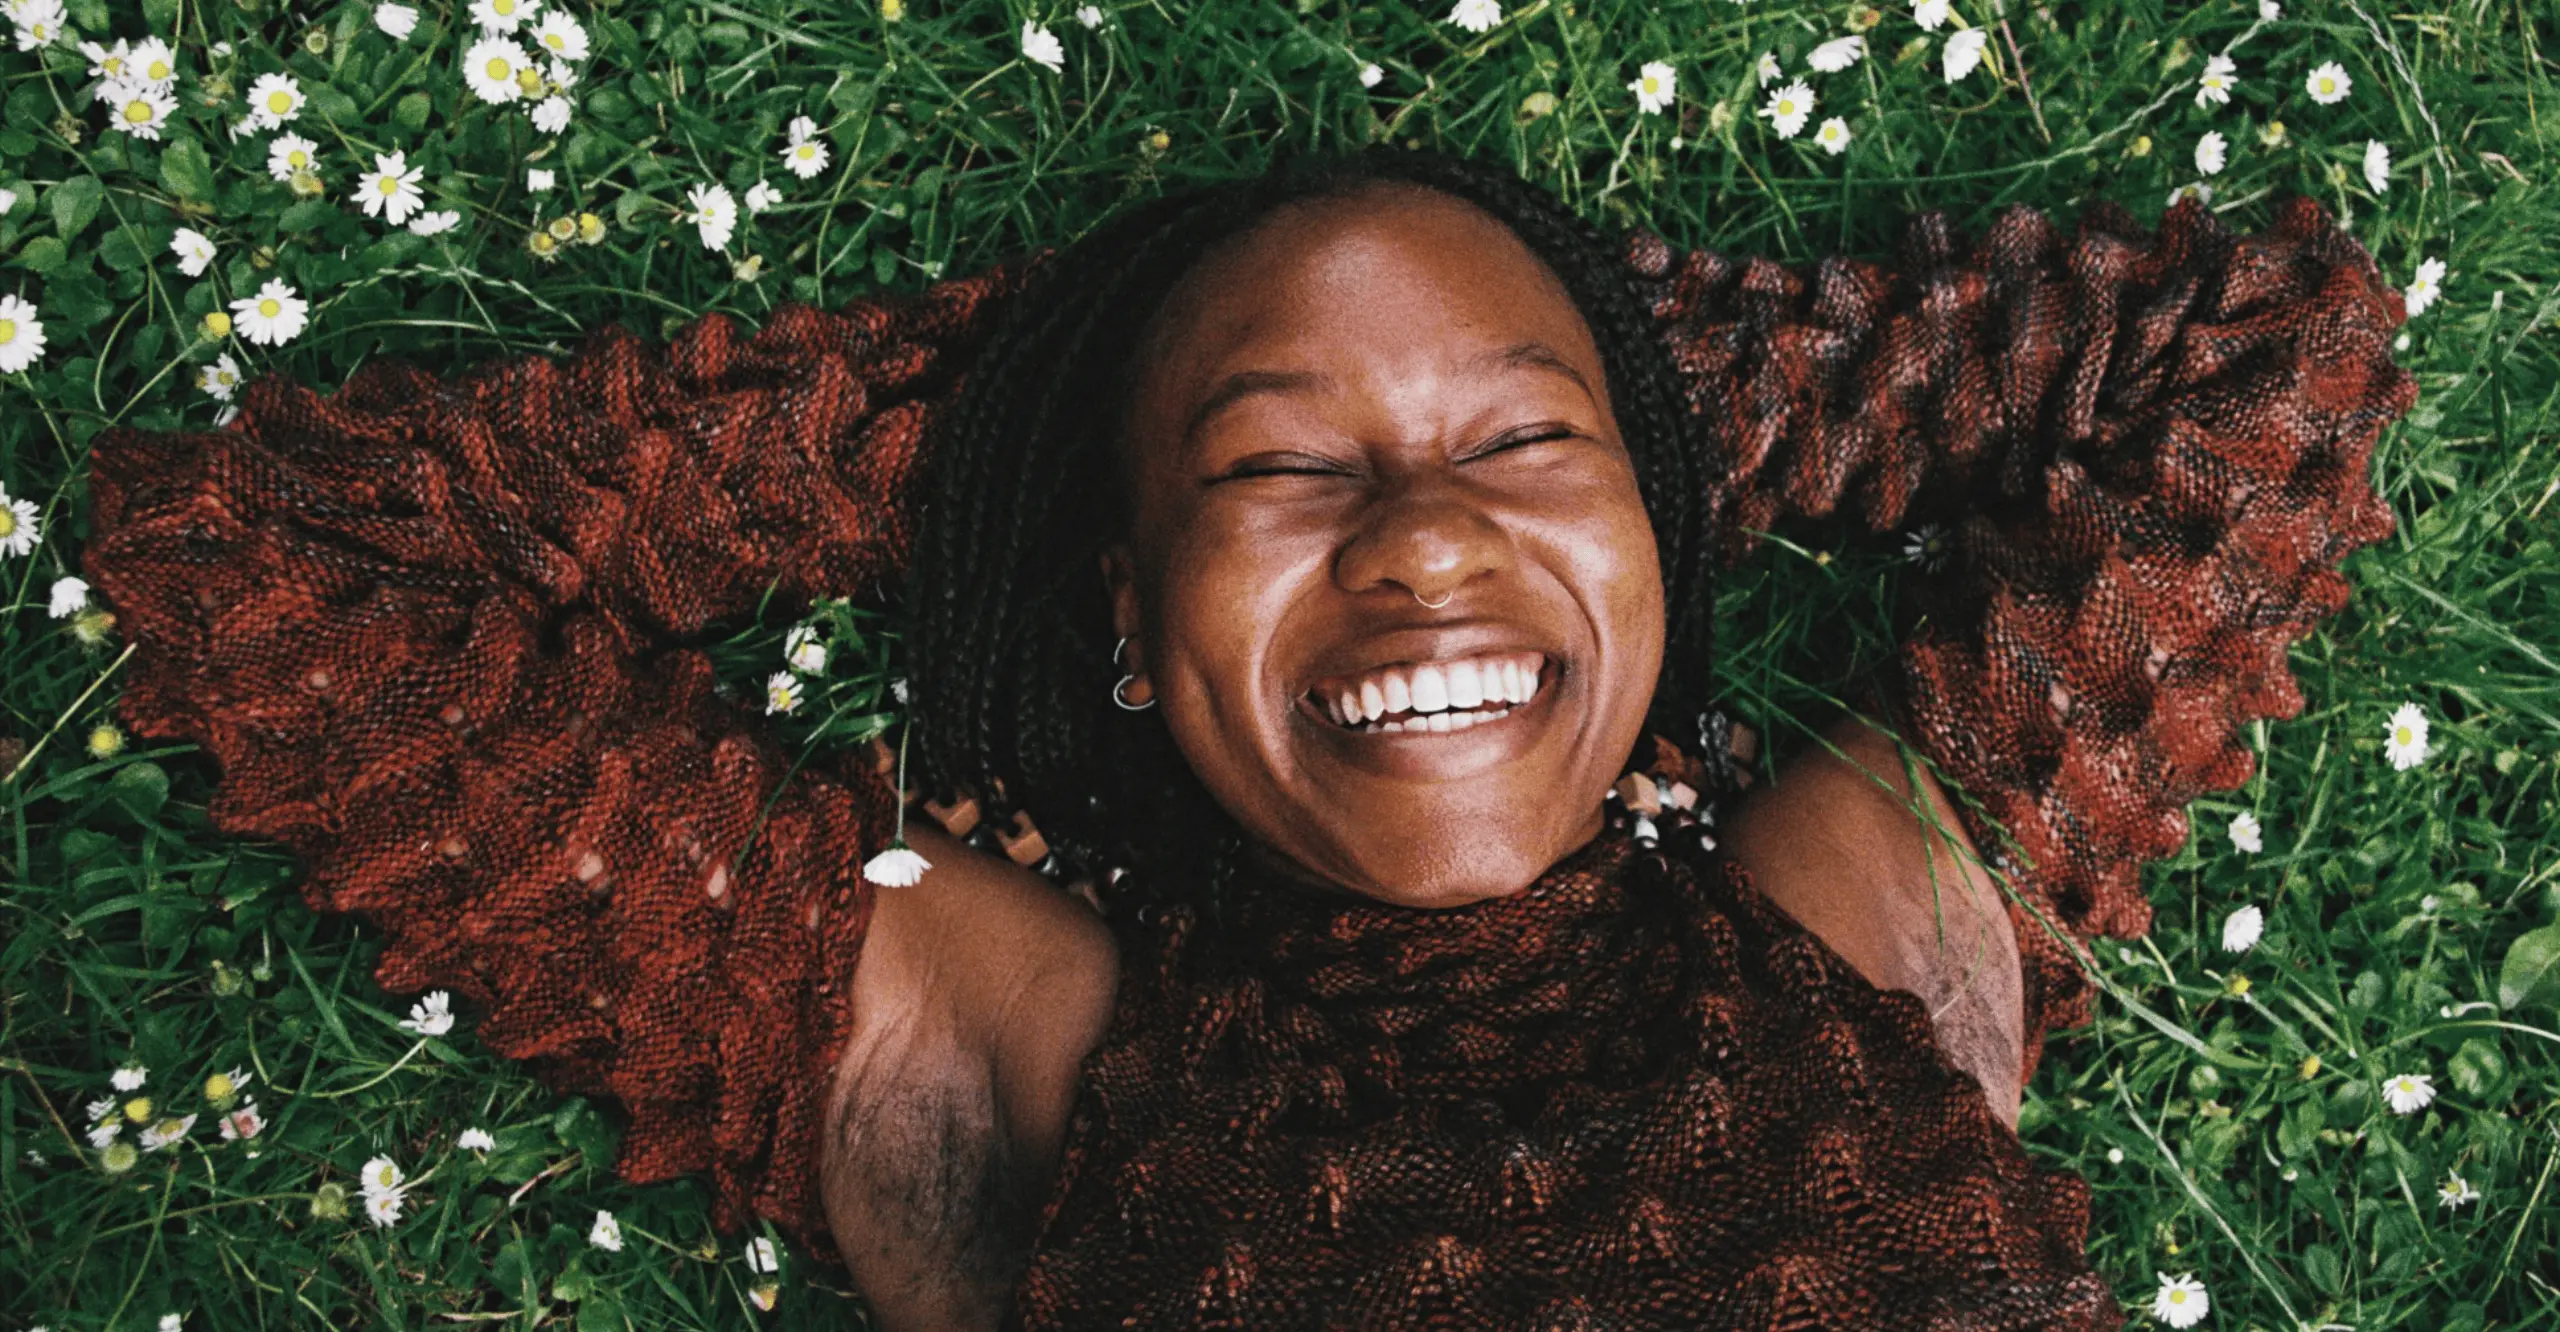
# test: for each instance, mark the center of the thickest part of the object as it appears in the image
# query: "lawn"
(2232, 1109)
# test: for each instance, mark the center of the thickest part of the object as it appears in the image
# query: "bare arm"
(980, 991)
(1836, 841)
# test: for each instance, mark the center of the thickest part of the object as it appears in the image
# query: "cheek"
(1601, 542)
(1229, 581)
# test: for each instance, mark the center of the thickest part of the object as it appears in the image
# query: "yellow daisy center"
(270, 307)
(217, 324)
(1786, 106)
(137, 112)
(218, 1086)
(298, 159)
(8, 522)
(113, 65)
(138, 1109)
(499, 69)
(2177, 1297)
(8, 331)
(555, 41)
(805, 151)
(279, 102)
(2400, 735)
(503, 8)
(528, 80)
(2328, 85)
(160, 71)
(389, 185)
(1652, 84)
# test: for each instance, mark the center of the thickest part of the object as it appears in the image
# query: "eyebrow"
(1248, 383)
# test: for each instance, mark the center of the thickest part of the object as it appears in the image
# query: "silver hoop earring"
(1125, 681)
(1435, 605)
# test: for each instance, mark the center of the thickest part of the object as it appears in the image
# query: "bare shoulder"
(976, 995)
(1871, 857)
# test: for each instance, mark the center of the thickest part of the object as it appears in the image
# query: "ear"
(1120, 582)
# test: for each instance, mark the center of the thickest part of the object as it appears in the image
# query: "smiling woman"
(1325, 559)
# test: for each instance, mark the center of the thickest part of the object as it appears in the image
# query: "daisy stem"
(395, 1067)
(899, 838)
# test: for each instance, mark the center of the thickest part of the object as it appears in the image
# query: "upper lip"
(1415, 644)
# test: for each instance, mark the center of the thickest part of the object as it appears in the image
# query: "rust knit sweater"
(435, 633)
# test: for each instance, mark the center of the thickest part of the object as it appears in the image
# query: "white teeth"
(1511, 682)
(1439, 721)
(1373, 700)
(1399, 698)
(1466, 687)
(1430, 689)
(1348, 705)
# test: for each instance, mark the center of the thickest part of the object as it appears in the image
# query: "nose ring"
(1435, 605)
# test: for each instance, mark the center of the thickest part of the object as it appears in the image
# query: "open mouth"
(1431, 696)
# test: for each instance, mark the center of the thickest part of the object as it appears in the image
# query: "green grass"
(2393, 899)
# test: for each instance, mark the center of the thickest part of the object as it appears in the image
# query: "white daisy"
(1371, 75)
(129, 1078)
(20, 527)
(606, 1234)
(194, 251)
(562, 75)
(476, 1140)
(171, 1323)
(1042, 47)
(2377, 165)
(551, 115)
(560, 37)
(101, 1134)
(69, 594)
(2269, 11)
(802, 649)
(289, 153)
(1929, 14)
(491, 68)
(539, 180)
(432, 1015)
(2244, 832)
(106, 63)
(275, 315)
(2418, 295)
(396, 19)
(1089, 16)
(165, 1134)
(436, 223)
(244, 1123)
(1765, 68)
(800, 130)
(391, 192)
(2198, 190)
(2456, 1191)
(901, 866)
(2242, 928)
(761, 196)
(153, 63)
(2406, 745)
(21, 335)
(8, 200)
(2211, 152)
(39, 23)
(380, 1175)
(274, 100)
(760, 1256)
(502, 16)
(1963, 53)
(1476, 16)
(138, 109)
(2408, 1093)
(715, 215)
(1833, 136)
(221, 379)
(1927, 547)
(1837, 54)
(2329, 84)
(2181, 1301)
(781, 693)
(1789, 107)
(1656, 84)
(383, 1209)
(805, 157)
(2217, 81)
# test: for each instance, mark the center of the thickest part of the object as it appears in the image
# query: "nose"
(1426, 536)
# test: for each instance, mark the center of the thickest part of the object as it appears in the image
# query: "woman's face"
(1364, 405)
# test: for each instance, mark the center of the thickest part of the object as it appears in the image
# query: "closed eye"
(1280, 464)
(1521, 439)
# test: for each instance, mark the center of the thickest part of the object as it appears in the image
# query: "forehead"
(1394, 271)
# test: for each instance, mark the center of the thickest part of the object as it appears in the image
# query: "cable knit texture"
(433, 633)
(2154, 452)
(1634, 1096)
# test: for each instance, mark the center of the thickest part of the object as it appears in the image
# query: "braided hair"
(1009, 627)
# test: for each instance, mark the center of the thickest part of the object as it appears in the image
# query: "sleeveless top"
(1634, 1095)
